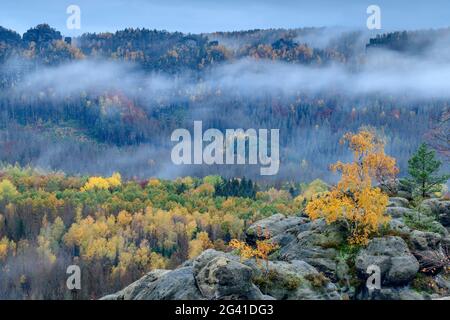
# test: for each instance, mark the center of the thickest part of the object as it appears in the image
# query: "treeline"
(174, 52)
(117, 230)
(236, 188)
(413, 42)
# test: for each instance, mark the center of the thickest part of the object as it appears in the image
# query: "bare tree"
(439, 136)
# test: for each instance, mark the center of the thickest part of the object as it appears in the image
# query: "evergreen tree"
(423, 168)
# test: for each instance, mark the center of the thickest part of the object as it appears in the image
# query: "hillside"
(124, 93)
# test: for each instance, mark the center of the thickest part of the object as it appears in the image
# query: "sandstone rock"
(446, 243)
(113, 296)
(272, 226)
(342, 270)
(296, 280)
(439, 208)
(398, 212)
(443, 281)
(392, 293)
(404, 194)
(397, 224)
(421, 240)
(178, 284)
(398, 202)
(316, 246)
(132, 290)
(391, 187)
(398, 266)
(404, 293)
(203, 259)
(224, 278)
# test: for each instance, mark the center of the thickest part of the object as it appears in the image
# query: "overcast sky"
(222, 15)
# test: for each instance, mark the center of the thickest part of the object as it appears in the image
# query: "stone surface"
(272, 226)
(398, 202)
(224, 278)
(297, 280)
(421, 240)
(316, 246)
(391, 254)
(439, 208)
(132, 290)
(398, 212)
(178, 284)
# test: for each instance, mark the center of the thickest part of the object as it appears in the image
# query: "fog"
(383, 72)
(410, 77)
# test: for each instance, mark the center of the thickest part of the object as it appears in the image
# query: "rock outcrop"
(314, 261)
(273, 226)
(398, 202)
(439, 208)
(391, 254)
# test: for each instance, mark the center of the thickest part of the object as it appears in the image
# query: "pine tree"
(423, 168)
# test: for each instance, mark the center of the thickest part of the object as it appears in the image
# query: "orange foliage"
(354, 201)
(262, 251)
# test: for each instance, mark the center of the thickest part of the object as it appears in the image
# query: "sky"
(196, 16)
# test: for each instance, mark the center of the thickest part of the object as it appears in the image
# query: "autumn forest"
(86, 176)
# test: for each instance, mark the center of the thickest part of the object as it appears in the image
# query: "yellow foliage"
(124, 218)
(262, 250)
(7, 190)
(188, 181)
(353, 200)
(154, 183)
(115, 180)
(205, 189)
(44, 249)
(315, 188)
(100, 183)
(273, 195)
(199, 244)
(6, 247)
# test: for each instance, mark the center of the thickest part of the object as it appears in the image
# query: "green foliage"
(213, 180)
(272, 280)
(424, 222)
(423, 168)
(236, 187)
(117, 232)
(7, 190)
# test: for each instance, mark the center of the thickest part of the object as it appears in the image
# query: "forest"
(135, 86)
(86, 176)
(116, 230)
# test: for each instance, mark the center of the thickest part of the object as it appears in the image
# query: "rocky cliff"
(315, 262)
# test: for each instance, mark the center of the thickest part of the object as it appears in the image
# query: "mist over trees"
(88, 120)
(108, 102)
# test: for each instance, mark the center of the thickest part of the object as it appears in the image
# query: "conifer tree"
(423, 168)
